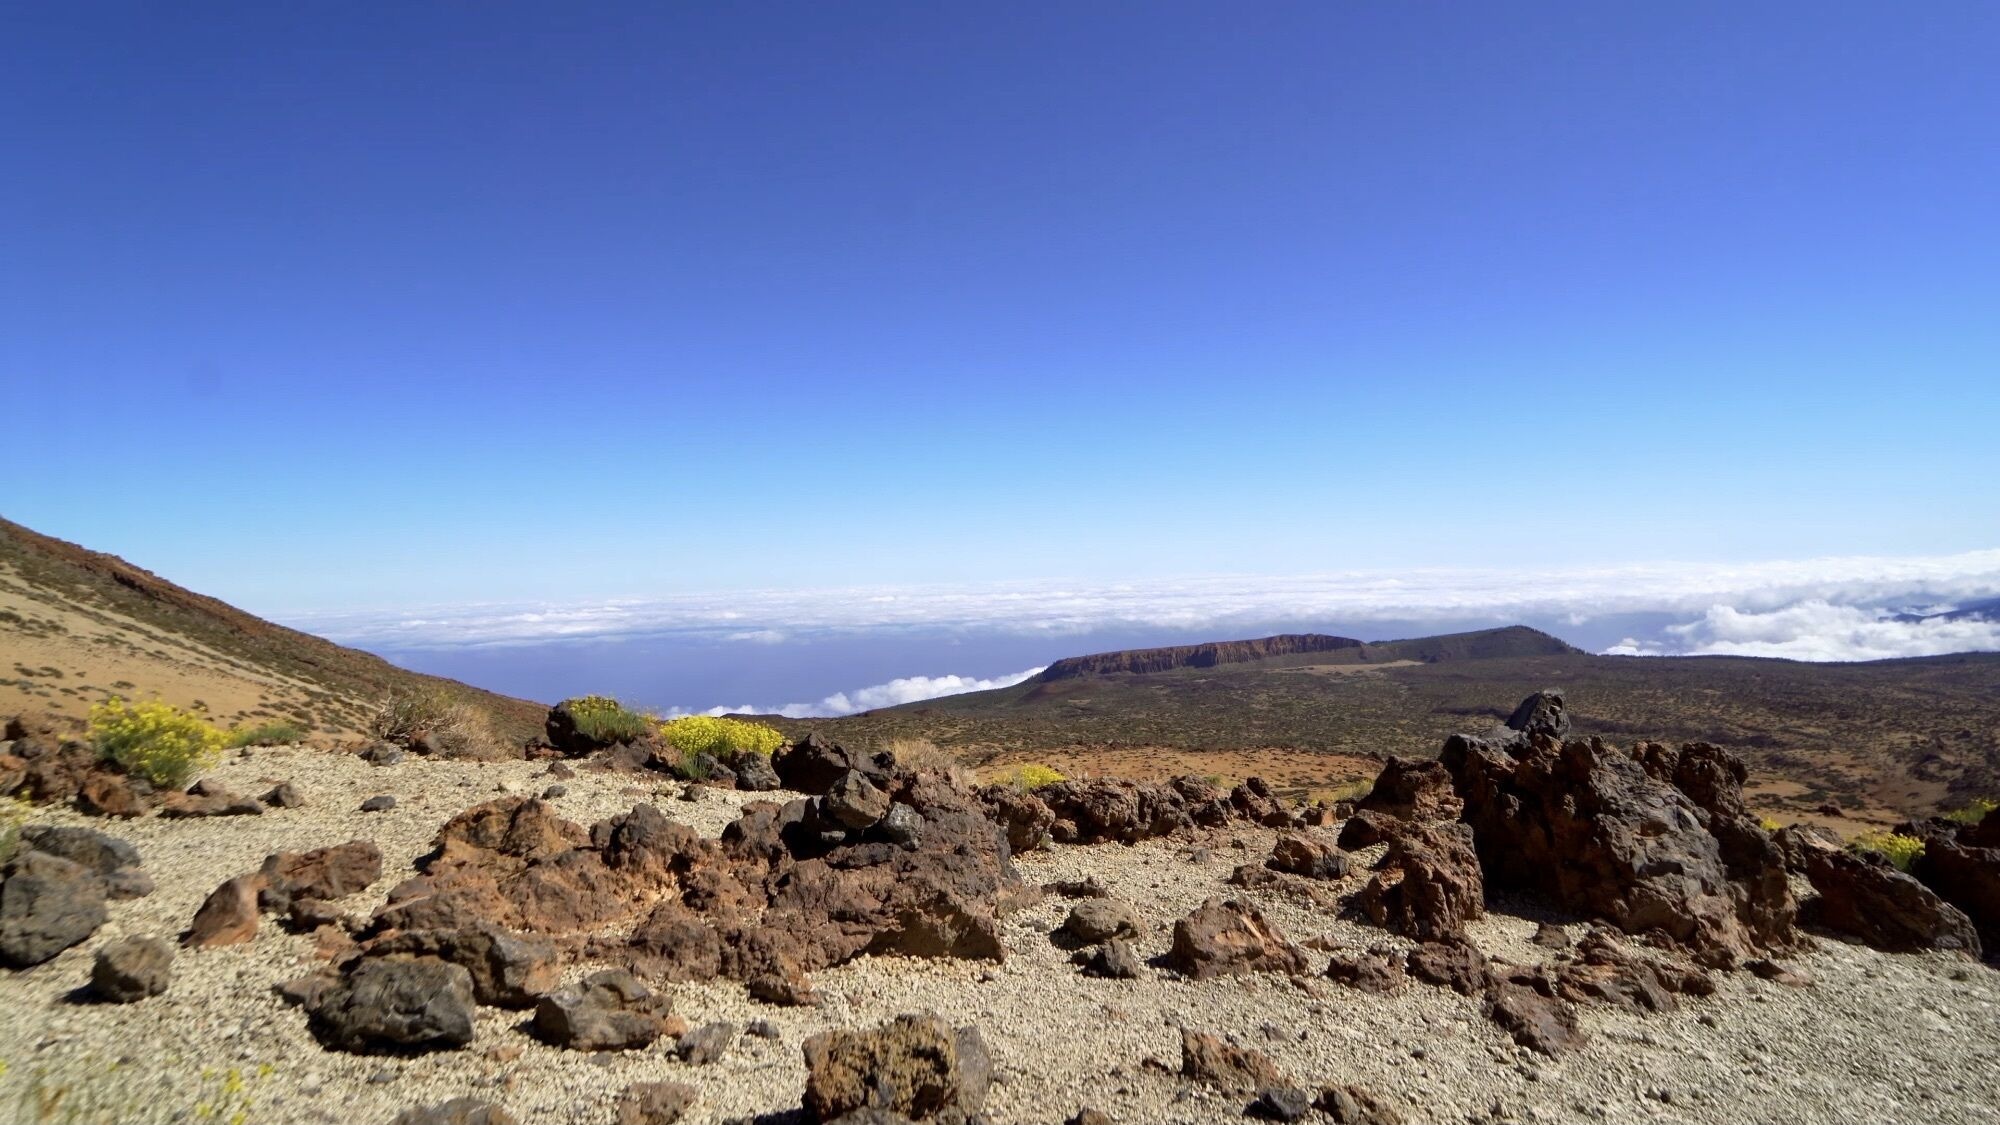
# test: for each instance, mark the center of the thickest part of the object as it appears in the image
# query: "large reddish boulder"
(1227, 937)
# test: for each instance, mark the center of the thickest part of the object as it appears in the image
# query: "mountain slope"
(78, 625)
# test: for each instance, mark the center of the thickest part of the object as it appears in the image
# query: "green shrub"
(603, 719)
(13, 814)
(155, 740)
(726, 739)
(281, 732)
(1901, 851)
(1974, 812)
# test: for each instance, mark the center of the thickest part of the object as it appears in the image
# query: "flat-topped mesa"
(1144, 660)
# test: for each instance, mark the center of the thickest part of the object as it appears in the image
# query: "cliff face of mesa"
(1195, 656)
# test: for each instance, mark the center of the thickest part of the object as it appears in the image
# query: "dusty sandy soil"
(1877, 1039)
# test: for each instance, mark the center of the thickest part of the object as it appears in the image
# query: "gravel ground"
(1877, 1039)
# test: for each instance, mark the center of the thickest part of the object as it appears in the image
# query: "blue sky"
(326, 309)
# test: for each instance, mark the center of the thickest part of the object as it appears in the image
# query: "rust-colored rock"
(1429, 883)
(1413, 789)
(1224, 938)
(1307, 854)
(1218, 1062)
(915, 1066)
(228, 916)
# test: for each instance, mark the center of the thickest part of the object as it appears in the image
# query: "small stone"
(1280, 1103)
(131, 970)
(762, 1029)
(706, 1044)
(284, 795)
(654, 1103)
(383, 803)
(555, 791)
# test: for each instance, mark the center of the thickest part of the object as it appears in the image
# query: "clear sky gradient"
(330, 307)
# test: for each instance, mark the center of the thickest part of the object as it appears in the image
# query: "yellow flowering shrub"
(724, 738)
(155, 740)
(1771, 824)
(1034, 775)
(1974, 812)
(1901, 851)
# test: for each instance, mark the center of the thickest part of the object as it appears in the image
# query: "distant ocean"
(696, 673)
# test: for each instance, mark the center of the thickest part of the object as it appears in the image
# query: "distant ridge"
(1485, 644)
(1208, 655)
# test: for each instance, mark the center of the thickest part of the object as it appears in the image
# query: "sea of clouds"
(1842, 608)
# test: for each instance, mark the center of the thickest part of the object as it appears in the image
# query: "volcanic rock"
(915, 1065)
(1378, 970)
(508, 970)
(653, 1103)
(1967, 877)
(1218, 1062)
(607, 1011)
(47, 904)
(132, 969)
(1113, 960)
(813, 764)
(755, 773)
(1223, 938)
(228, 916)
(1542, 713)
(208, 799)
(457, 1111)
(1413, 789)
(1882, 906)
(1308, 855)
(1354, 1105)
(1591, 829)
(1097, 920)
(1429, 883)
(854, 803)
(93, 849)
(283, 795)
(394, 1004)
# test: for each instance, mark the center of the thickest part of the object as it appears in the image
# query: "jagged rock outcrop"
(1413, 789)
(1655, 843)
(1965, 872)
(1429, 882)
(911, 866)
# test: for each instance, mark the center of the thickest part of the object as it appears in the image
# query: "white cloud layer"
(1816, 629)
(1753, 604)
(907, 689)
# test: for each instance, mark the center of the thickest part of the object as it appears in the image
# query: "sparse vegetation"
(460, 729)
(1034, 775)
(1771, 824)
(113, 1092)
(603, 719)
(1973, 812)
(921, 754)
(1354, 790)
(282, 732)
(1901, 851)
(156, 740)
(13, 815)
